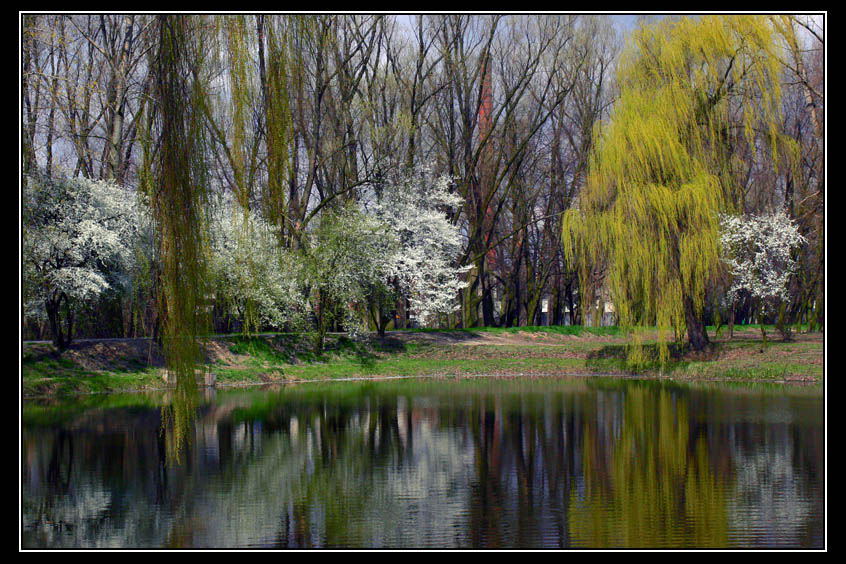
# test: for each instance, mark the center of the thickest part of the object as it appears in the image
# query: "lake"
(478, 463)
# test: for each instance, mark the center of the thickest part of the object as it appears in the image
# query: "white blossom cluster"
(757, 250)
(415, 210)
(343, 263)
(248, 268)
(78, 240)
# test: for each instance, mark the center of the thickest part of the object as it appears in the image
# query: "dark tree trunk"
(696, 333)
(383, 319)
(61, 339)
(487, 305)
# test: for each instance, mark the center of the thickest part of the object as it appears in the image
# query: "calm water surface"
(475, 463)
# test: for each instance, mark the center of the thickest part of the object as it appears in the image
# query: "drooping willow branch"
(179, 186)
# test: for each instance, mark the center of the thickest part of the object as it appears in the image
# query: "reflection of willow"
(177, 421)
(652, 484)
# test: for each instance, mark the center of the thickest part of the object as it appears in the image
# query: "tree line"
(531, 123)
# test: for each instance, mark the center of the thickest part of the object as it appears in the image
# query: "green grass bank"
(132, 365)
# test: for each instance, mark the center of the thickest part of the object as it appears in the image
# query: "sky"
(627, 21)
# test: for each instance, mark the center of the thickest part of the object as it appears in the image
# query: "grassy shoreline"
(135, 365)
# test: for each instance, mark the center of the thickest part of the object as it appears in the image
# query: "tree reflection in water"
(437, 464)
(178, 416)
(648, 480)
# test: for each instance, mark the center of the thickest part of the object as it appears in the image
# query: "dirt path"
(522, 338)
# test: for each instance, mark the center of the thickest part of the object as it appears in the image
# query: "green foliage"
(279, 136)
(664, 167)
(655, 461)
(178, 203)
(345, 259)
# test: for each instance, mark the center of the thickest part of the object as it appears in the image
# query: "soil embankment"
(137, 364)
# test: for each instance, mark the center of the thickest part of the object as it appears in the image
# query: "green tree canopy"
(664, 167)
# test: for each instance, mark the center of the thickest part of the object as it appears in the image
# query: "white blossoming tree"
(255, 280)
(399, 244)
(421, 268)
(78, 239)
(345, 260)
(757, 250)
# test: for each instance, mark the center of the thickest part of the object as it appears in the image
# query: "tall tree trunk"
(116, 105)
(696, 333)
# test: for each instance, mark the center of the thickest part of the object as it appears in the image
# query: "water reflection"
(491, 464)
(649, 479)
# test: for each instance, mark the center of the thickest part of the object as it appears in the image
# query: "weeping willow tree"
(691, 91)
(255, 110)
(242, 156)
(175, 175)
(274, 75)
